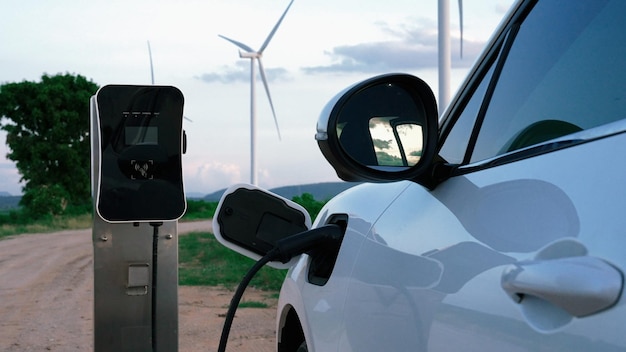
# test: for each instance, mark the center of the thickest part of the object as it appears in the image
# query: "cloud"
(241, 73)
(412, 46)
(502, 8)
(212, 176)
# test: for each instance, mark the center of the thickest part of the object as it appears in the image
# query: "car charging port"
(284, 249)
(323, 257)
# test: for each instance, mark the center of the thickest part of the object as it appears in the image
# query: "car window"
(564, 73)
(455, 145)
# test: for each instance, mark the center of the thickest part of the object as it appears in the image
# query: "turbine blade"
(461, 24)
(269, 37)
(267, 90)
(151, 67)
(239, 44)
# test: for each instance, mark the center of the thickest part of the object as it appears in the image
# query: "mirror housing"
(380, 130)
(250, 220)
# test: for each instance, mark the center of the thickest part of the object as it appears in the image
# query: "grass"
(252, 304)
(199, 210)
(15, 222)
(49, 224)
(205, 262)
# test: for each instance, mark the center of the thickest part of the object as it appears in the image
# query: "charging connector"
(303, 242)
(284, 250)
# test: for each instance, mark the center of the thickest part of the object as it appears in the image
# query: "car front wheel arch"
(291, 335)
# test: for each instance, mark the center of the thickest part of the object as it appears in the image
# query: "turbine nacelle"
(250, 55)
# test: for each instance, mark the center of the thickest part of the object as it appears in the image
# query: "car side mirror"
(382, 129)
(250, 220)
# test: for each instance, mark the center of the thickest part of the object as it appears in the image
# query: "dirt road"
(46, 300)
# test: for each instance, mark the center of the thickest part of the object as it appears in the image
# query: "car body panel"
(444, 248)
(321, 305)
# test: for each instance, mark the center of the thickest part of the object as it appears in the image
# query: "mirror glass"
(382, 126)
(396, 145)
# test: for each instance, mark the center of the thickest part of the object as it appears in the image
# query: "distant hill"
(320, 191)
(194, 195)
(9, 202)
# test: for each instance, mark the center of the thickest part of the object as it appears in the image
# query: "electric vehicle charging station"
(137, 142)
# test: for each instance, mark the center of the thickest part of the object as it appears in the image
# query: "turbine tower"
(249, 53)
(445, 63)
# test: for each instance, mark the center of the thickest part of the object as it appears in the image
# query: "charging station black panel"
(140, 134)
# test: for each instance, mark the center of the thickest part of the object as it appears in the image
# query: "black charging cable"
(284, 250)
(155, 261)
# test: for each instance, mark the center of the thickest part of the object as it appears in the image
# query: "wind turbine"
(445, 62)
(249, 53)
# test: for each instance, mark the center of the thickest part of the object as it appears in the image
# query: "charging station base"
(125, 298)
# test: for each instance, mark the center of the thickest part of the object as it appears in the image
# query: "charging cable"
(155, 261)
(284, 250)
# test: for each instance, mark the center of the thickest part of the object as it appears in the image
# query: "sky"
(321, 47)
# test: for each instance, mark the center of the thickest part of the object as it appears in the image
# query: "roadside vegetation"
(203, 261)
(18, 221)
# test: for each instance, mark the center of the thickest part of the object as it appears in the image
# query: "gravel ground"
(46, 300)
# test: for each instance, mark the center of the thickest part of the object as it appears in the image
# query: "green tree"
(47, 125)
(308, 202)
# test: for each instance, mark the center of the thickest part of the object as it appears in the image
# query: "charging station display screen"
(142, 135)
(140, 146)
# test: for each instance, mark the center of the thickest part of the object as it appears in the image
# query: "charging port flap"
(250, 221)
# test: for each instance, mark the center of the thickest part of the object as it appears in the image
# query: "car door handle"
(580, 285)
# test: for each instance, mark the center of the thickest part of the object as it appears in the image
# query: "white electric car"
(500, 227)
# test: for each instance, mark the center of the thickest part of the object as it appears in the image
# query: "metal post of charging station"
(135, 262)
(123, 287)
